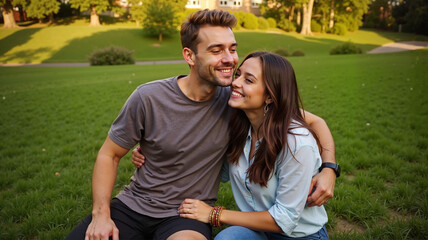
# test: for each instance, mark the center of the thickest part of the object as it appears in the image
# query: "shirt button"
(249, 195)
(246, 150)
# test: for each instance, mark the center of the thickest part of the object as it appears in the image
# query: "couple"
(182, 124)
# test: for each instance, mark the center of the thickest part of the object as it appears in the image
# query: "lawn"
(53, 121)
(75, 42)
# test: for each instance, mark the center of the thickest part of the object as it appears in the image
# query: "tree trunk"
(160, 36)
(307, 16)
(291, 16)
(8, 18)
(299, 17)
(95, 19)
(331, 23)
(51, 18)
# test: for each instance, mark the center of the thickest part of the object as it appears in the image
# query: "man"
(181, 122)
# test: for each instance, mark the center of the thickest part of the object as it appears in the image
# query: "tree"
(7, 12)
(307, 16)
(95, 6)
(41, 8)
(160, 16)
(350, 12)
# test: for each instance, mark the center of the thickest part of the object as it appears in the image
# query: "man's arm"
(103, 178)
(324, 181)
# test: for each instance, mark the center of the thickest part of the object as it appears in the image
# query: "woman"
(273, 154)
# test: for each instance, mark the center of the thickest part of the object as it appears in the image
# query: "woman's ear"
(189, 56)
(268, 100)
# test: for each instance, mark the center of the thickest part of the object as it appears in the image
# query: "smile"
(236, 94)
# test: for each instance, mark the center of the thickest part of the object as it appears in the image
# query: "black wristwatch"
(333, 166)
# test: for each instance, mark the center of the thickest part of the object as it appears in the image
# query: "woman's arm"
(259, 221)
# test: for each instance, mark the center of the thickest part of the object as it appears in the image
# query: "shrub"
(286, 25)
(346, 48)
(315, 26)
(298, 53)
(282, 52)
(263, 23)
(239, 17)
(249, 21)
(272, 22)
(340, 29)
(113, 55)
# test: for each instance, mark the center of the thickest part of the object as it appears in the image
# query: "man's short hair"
(190, 28)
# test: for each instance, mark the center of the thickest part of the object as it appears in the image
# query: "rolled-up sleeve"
(294, 179)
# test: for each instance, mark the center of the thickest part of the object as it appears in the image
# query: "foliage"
(160, 17)
(350, 13)
(298, 53)
(239, 15)
(417, 16)
(315, 26)
(249, 21)
(85, 5)
(263, 23)
(282, 52)
(41, 8)
(272, 22)
(345, 48)
(340, 29)
(113, 55)
(286, 25)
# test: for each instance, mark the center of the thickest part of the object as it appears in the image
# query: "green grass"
(53, 120)
(75, 42)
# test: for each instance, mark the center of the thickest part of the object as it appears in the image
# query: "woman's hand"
(195, 209)
(138, 159)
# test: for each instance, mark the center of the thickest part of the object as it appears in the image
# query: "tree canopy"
(41, 8)
(160, 16)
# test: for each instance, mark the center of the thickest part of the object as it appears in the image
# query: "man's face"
(217, 58)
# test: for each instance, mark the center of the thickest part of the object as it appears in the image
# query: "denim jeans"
(238, 232)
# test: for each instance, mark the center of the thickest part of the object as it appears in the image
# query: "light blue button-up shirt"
(287, 190)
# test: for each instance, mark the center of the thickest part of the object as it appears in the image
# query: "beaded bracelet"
(214, 217)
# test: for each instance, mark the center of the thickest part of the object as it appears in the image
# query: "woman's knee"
(238, 232)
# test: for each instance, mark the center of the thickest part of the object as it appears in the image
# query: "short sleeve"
(128, 128)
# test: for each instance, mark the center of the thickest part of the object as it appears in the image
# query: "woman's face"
(248, 87)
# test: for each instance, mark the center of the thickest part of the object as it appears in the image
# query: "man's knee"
(187, 235)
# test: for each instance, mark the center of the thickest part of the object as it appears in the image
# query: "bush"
(113, 55)
(250, 21)
(272, 22)
(239, 17)
(263, 23)
(346, 48)
(340, 29)
(315, 26)
(286, 25)
(298, 53)
(282, 52)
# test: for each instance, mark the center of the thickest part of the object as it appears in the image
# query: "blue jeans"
(238, 232)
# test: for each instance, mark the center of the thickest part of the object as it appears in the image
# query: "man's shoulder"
(157, 84)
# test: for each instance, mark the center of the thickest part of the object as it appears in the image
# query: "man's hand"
(323, 183)
(102, 228)
(138, 159)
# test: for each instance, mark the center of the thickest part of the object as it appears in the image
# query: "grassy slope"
(55, 119)
(73, 43)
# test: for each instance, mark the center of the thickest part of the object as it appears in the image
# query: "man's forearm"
(103, 178)
(324, 135)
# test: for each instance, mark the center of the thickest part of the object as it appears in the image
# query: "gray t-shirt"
(184, 143)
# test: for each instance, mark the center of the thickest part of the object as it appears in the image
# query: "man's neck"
(195, 89)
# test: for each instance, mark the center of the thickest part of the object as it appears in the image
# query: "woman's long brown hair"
(281, 86)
